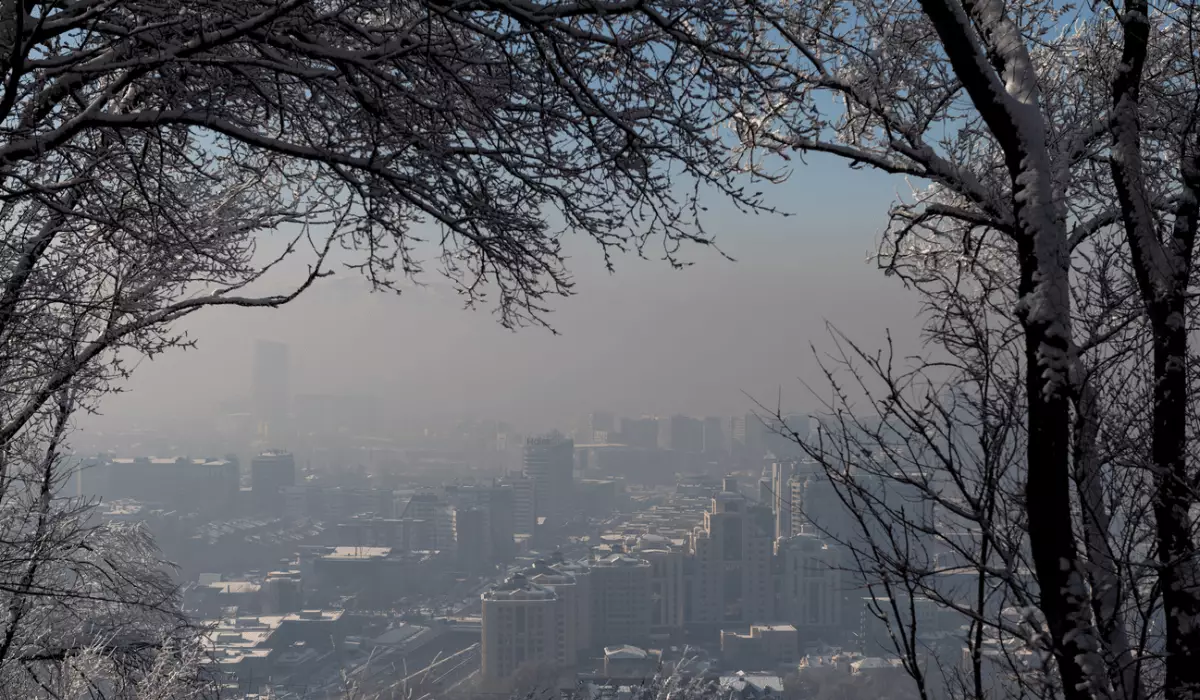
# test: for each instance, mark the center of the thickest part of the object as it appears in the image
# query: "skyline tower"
(550, 465)
(270, 390)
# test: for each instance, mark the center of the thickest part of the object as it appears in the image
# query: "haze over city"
(746, 350)
(646, 339)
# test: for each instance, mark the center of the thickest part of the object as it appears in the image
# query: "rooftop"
(542, 573)
(398, 635)
(165, 461)
(274, 453)
(626, 651)
(517, 587)
(314, 616)
(874, 663)
(775, 628)
(619, 560)
(235, 587)
(358, 553)
(758, 682)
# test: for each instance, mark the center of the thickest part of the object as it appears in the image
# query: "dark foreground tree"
(147, 148)
(1052, 236)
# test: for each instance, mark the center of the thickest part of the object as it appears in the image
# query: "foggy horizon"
(709, 339)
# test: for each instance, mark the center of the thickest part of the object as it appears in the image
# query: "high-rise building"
(681, 433)
(522, 503)
(667, 583)
(766, 492)
(780, 437)
(896, 492)
(563, 585)
(737, 431)
(438, 517)
(209, 485)
(520, 626)
(283, 592)
(782, 473)
(550, 465)
(270, 473)
(811, 590)
(270, 395)
(746, 434)
(799, 522)
(621, 601)
(595, 423)
(640, 432)
(714, 435)
(581, 573)
(822, 510)
(732, 551)
(471, 538)
(502, 522)
(496, 503)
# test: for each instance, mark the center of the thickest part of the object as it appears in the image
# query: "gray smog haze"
(647, 339)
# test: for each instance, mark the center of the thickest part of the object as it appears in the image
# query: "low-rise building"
(630, 664)
(765, 647)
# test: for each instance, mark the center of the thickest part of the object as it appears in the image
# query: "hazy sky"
(646, 339)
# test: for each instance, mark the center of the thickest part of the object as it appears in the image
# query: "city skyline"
(276, 414)
(412, 348)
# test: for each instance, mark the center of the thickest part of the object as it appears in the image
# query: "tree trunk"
(1173, 499)
(1052, 538)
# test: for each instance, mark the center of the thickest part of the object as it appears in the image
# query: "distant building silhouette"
(811, 587)
(471, 539)
(602, 423)
(550, 465)
(639, 432)
(270, 390)
(714, 435)
(681, 433)
(270, 473)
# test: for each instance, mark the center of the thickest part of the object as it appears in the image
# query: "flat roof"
(235, 586)
(358, 553)
(314, 616)
(776, 628)
(399, 634)
(165, 461)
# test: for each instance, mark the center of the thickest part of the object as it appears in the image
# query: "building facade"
(667, 586)
(521, 626)
(550, 464)
(811, 589)
(270, 473)
(620, 601)
(438, 518)
(472, 539)
(524, 520)
(784, 504)
(581, 574)
(270, 390)
(681, 433)
(732, 567)
(563, 585)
